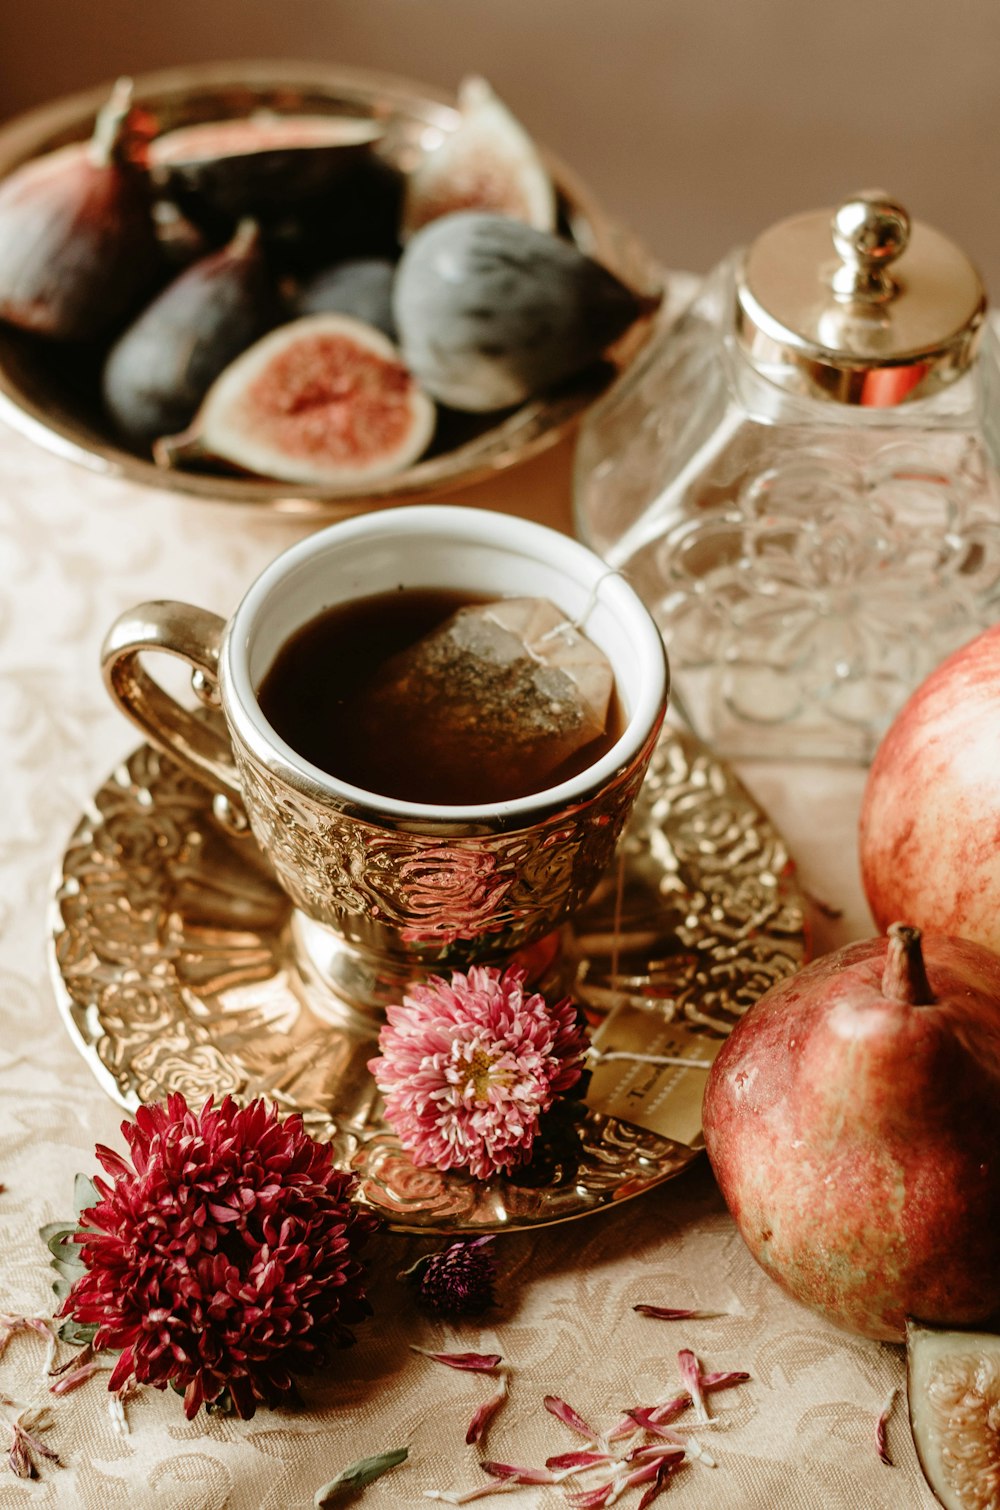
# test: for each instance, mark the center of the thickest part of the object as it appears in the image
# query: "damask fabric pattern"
(75, 550)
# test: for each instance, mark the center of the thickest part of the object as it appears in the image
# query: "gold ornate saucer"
(175, 965)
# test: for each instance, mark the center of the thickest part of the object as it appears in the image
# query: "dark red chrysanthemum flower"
(456, 1281)
(226, 1259)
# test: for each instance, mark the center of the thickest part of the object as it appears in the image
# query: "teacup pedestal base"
(351, 988)
(179, 965)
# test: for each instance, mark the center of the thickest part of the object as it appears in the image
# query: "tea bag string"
(588, 608)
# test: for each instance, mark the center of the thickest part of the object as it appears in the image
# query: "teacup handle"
(193, 635)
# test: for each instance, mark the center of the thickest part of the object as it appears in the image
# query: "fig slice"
(324, 400)
(953, 1384)
(257, 164)
(489, 162)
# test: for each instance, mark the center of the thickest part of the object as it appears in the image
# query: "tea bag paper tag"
(661, 1098)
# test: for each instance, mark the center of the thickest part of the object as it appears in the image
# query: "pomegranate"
(852, 1124)
(930, 820)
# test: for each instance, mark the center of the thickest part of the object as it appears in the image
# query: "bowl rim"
(526, 431)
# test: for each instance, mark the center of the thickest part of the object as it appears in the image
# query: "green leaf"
(350, 1480)
(52, 1230)
(77, 1333)
(85, 1193)
(62, 1288)
(64, 1254)
(67, 1271)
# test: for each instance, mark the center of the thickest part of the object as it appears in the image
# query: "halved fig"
(953, 1383)
(258, 164)
(160, 369)
(324, 400)
(489, 162)
(77, 246)
(491, 312)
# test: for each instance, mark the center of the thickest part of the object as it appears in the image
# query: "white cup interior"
(447, 547)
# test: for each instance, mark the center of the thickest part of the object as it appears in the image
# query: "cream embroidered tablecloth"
(77, 548)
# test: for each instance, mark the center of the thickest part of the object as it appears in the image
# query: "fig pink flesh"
(325, 397)
(857, 1143)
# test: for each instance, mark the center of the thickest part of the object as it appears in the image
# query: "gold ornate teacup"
(386, 890)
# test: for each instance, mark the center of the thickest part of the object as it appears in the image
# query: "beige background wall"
(698, 121)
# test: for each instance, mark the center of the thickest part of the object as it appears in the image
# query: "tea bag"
(499, 698)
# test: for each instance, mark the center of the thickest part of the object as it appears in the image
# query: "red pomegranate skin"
(856, 1140)
(930, 820)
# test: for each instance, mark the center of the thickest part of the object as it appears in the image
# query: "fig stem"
(178, 450)
(244, 238)
(905, 977)
(109, 126)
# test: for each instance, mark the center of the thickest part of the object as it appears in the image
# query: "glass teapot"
(799, 476)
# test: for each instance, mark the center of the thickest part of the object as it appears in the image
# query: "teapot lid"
(859, 304)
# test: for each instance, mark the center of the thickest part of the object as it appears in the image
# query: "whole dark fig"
(491, 312)
(159, 371)
(323, 400)
(361, 287)
(489, 162)
(260, 164)
(77, 244)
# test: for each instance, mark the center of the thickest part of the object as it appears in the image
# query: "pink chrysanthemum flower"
(223, 1259)
(467, 1069)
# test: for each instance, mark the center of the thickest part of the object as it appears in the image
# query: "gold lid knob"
(859, 304)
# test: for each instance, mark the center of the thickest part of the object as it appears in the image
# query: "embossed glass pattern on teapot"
(800, 478)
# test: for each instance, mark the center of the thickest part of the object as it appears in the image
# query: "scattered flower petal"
(577, 1459)
(665, 1472)
(881, 1441)
(723, 1380)
(73, 1380)
(568, 1416)
(25, 1445)
(666, 1313)
(464, 1496)
(484, 1415)
(116, 1410)
(691, 1379)
(696, 1450)
(590, 1499)
(656, 1451)
(658, 1414)
(645, 1418)
(475, 1363)
(467, 1069)
(519, 1475)
(357, 1475)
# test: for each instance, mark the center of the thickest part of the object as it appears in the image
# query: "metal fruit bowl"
(42, 396)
